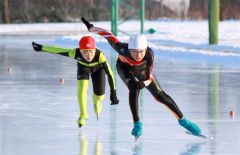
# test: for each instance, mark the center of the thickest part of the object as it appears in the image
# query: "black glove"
(135, 84)
(37, 47)
(86, 23)
(113, 97)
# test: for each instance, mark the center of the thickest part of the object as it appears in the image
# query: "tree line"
(32, 11)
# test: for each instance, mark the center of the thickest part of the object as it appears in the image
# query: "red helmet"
(87, 42)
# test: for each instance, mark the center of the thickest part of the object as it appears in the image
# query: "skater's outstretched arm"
(54, 49)
(108, 71)
(113, 40)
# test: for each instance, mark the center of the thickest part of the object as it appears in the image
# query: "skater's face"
(88, 55)
(137, 54)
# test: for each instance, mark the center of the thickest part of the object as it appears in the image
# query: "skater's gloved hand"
(37, 47)
(88, 25)
(147, 82)
(113, 97)
(135, 84)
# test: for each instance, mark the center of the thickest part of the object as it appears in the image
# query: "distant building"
(179, 7)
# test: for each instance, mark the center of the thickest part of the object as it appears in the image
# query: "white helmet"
(137, 41)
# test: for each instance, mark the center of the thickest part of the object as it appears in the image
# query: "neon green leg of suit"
(82, 101)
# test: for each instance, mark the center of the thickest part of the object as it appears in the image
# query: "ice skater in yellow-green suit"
(91, 62)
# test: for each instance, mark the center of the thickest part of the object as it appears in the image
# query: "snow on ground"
(185, 40)
(191, 32)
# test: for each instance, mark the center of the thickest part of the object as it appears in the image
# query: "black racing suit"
(134, 72)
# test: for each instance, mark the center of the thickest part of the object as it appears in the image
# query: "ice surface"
(38, 115)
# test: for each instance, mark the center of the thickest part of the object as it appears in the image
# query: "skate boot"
(97, 102)
(97, 108)
(137, 129)
(82, 120)
(190, 126)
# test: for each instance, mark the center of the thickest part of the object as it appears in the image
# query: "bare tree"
(5, 15)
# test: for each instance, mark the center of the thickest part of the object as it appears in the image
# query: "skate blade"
(200, 136)
(136, 139)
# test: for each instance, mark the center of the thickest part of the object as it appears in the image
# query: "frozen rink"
(38, 115)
